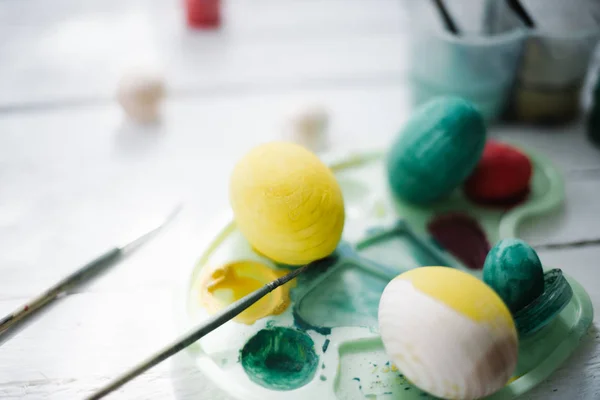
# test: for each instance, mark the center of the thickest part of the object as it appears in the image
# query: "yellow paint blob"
(287, 203)
(224, 285)
(462, 292)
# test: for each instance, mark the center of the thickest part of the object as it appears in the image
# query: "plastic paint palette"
(325, 345)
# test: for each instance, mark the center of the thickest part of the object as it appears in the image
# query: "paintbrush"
(80, 276)
(195, 334)
(518, 8)
(448, 21)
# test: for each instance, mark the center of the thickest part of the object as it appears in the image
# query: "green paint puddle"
(302, 324)
(399, 250)
(280, 358)
(329, 299)
(334, 302)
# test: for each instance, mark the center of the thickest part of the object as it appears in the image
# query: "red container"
(203, 13)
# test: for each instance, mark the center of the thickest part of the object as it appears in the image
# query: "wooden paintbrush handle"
(93, 267)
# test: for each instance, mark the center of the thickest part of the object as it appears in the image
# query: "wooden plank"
(206, 68)
(260, 19)
(80, 180)
(169, 381)
(79, 345)
(579, 263)
(570, 224)
(76, 52)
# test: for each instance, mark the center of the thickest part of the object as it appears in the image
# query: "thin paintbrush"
(80, 276)
(206, 327)
(518, 8)
(448, 21)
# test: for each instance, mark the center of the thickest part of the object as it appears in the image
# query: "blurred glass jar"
(507, 69)
(556, 60)
(551, 76)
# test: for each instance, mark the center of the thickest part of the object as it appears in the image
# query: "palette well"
(317, 336)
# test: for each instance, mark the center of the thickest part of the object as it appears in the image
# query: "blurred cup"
(479, 65)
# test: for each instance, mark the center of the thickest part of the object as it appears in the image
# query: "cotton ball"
(307, 127)
(140, 93)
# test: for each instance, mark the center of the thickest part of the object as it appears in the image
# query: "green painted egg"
(436, 150)
(512, 268)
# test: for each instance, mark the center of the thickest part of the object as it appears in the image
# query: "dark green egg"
(436, 150)
(512, 268)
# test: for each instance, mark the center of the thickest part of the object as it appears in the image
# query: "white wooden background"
(74, 176)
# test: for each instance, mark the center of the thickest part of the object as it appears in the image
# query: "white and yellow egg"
(448, 332)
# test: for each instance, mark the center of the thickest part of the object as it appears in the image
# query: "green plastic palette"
(325, 345)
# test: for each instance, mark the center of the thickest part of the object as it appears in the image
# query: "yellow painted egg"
(287, 203)
(448, 332)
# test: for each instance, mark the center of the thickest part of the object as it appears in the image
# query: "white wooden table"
(74, 177)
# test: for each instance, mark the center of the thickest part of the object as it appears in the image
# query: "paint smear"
(280, 358)
(400, 250)
(507, 203)
(302, 324)
(349, 296)
(325, 345)
(462, 236)
(219, 287)
(365, 369)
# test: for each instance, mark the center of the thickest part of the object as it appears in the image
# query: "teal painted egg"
(512, 268)
(436, 150)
